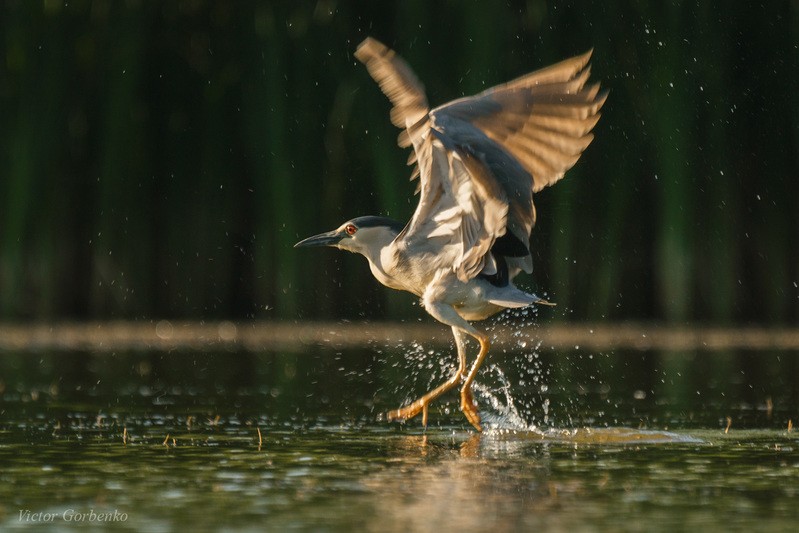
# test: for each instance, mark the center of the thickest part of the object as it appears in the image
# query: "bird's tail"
(514, 298)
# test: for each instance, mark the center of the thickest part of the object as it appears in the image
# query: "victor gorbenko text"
(71, 515)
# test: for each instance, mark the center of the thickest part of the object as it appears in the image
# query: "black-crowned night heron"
(479, 160)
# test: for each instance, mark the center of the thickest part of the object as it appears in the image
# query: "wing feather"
(398, 83)
(519, 114)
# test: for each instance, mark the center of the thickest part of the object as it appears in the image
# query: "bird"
(478, 161)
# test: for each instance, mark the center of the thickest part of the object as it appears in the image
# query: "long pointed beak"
(323, 239)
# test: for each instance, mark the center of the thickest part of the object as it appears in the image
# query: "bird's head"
(364, 235)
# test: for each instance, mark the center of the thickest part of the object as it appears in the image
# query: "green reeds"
(161, 161)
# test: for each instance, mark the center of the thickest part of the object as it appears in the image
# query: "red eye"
(350, 229)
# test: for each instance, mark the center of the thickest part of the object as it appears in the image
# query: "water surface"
(296, 441)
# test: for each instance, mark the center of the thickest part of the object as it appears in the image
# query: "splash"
(502, 412)
(515, 402)
(512, 389)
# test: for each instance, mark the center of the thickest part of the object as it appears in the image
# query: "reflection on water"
(579, 441)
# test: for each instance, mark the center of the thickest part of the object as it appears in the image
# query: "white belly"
(470, 300)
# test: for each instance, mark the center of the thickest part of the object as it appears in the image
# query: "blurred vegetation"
(160, 159)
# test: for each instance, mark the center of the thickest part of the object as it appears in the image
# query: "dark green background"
(159, 159)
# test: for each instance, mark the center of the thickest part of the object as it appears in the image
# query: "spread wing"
(544, 119)
(403, 88)
(481, 158)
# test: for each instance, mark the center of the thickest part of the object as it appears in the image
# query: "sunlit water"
(295, 441)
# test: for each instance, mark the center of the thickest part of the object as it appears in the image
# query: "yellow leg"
(420, 405)
(467, 399)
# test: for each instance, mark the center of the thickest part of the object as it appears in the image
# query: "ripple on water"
(599, 436)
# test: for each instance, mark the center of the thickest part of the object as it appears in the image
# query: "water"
(577, 441)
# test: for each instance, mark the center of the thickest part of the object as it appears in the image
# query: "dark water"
(578, 442)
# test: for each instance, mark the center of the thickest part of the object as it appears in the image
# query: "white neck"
(376, 245)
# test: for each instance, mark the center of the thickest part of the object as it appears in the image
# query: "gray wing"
(481, 158)
(400, 84)
(544, 119)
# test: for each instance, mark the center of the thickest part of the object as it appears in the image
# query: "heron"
(478, 161)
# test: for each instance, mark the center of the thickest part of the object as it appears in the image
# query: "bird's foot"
(420, 405)
(410, 411)
(469, 408)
